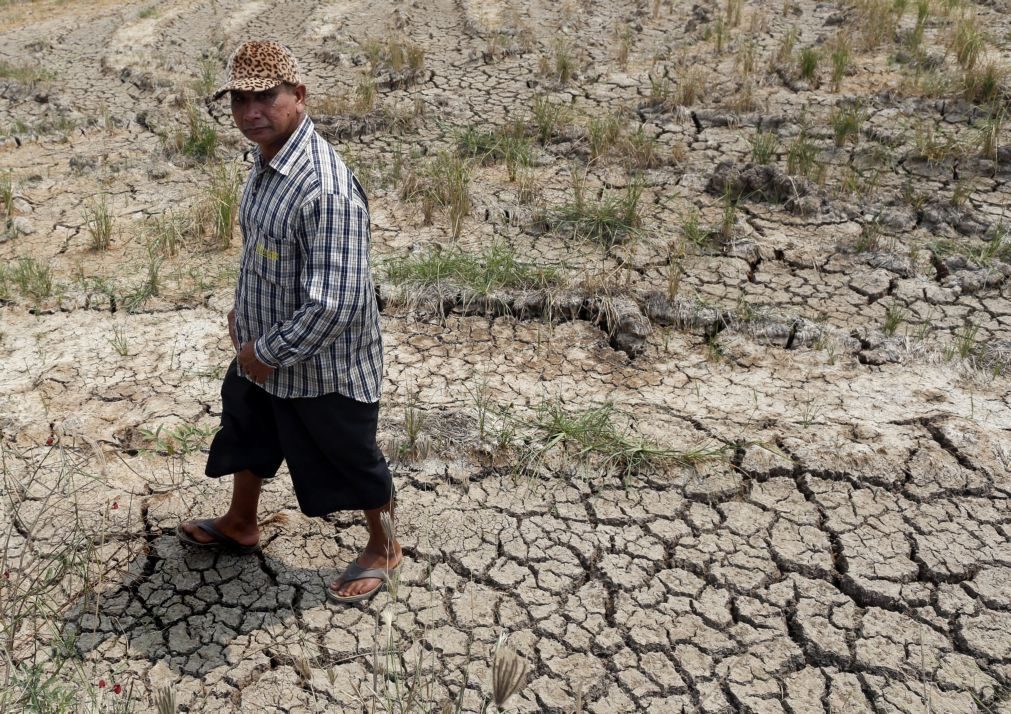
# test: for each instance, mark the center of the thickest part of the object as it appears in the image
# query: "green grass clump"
(444, 183)
(396, 54)
(199, 141)
(802, 157)
(168, 231)
(207, 79)
(640, 150)
(764, 145)
(594, 437)
(202, 140)
(807, 63)
(33, 279)
(964, 341)
(547, 117)
(846, 122)
(840, 56)
(24, 73)
(509, 144)
(968, 43)
(692, 229)
(178, 440)
(984, 83)
(894, 316)
(610, 221)
(7, 194)
(98, 221)
(565, 65)
(997, 248)
(602, 133)
(477, 275)
(223, 203)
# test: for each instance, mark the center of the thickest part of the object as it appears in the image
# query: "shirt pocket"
(274, 259)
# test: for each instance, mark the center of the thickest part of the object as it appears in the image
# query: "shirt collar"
(284, 160)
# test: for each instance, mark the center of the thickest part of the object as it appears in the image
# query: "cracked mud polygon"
(794, 348)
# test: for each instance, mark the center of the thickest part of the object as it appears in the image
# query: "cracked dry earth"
(847, 545)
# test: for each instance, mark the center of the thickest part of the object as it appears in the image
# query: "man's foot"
(223, 530)
(370, 558)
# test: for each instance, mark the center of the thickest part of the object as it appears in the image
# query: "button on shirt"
(304, 292)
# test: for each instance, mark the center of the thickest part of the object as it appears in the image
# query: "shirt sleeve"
(335, 281)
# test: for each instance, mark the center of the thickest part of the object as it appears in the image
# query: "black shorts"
(329, 443)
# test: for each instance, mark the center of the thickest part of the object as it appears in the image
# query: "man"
(304, 387)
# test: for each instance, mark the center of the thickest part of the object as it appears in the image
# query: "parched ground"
(749, 451)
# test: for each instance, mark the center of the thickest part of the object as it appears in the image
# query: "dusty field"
(705, 408)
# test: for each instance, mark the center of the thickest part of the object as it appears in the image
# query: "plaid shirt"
(304, 291)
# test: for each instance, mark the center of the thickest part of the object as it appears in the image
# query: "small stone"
(22, 226)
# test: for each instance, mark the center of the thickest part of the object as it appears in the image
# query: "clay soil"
(743, 445)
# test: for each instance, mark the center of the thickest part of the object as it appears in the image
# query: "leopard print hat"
(258, 65)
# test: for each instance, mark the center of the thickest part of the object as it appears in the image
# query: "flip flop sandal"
(221, 541)
(357, 572)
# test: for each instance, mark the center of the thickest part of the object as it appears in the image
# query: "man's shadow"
(197, 610)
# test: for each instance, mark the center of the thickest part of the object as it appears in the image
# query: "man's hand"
(252, 366)
(231, 329)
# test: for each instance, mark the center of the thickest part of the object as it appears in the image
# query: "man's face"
(269, 117)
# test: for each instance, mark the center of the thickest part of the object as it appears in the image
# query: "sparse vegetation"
(729, 218)
(556, 435)
(24, 73)
(396, 54)
(869, 239)
(7, 194)
(198, 142)
(846, 121)
(930, 144)
(691, 86)
(602, 133)
(692, 229)
(547, 117)
(475, 275)
(220, 211)
(98, 221)
(895, 315)
(443, 183)
(968, 43)
(168, 232)
(840, 56)
(997, 247)
(984, 83)
(963, 343)
(764, 145)
(625, 41)
(697, 275)
(640, 150)
(612, 220)
(877, 20)
(802, 157)
(207, 78)
(990, 132)
(119, 341)
(178, 440)
(562, 66)
(33, 279)
(807, 63)
(785, 50)
(508, 143)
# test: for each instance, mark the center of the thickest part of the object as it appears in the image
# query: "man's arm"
(335, 279)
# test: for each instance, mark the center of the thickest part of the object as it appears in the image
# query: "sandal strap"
(357, 572)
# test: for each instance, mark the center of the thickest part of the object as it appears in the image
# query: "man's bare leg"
(378, 553)
(240, 520)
